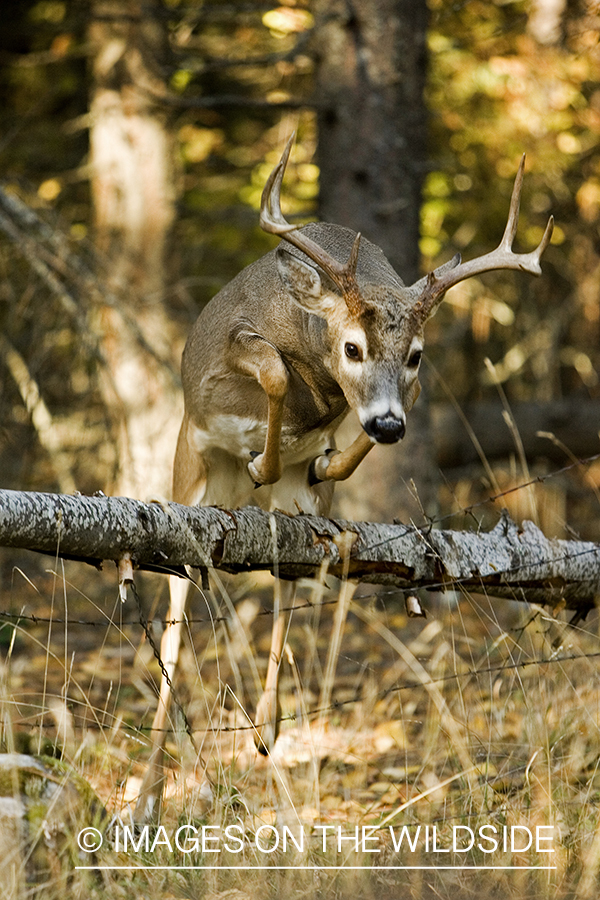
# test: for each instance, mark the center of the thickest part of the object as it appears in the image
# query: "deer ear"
(304, 284)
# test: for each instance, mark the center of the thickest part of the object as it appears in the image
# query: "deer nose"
(386, 429)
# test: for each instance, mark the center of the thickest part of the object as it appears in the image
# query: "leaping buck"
(319, 326)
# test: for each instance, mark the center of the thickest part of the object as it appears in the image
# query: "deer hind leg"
(291, 491)
(189, 485)
(268, 709)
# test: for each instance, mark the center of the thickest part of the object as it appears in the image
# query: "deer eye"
(415, 359)
(353, 352)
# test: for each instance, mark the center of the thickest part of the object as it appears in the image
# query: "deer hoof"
(312, 475)
(254, 470)
(317, 471)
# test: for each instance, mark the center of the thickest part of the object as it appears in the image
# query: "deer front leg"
(337, 466)
(253, 355)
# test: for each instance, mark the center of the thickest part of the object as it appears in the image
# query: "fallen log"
(513, 562)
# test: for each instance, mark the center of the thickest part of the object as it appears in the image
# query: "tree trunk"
(372, 121)
(372, 127)
(133, 191)
(131, 150)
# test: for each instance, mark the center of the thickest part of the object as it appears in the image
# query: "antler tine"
(546, 238)
(513, 212)
(353, 258)
(430, 290)
(271, 217)
(272, 221)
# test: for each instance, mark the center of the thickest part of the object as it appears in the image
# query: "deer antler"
(271, 220)
(430, 289)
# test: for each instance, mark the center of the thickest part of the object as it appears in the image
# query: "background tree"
(369, 84)
(133, 190)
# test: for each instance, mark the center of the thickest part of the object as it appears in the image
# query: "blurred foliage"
(238, 80)
(496, 92)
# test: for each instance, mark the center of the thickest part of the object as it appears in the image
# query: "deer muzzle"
(387, 429)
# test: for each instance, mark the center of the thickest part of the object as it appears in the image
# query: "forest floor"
(447, 757)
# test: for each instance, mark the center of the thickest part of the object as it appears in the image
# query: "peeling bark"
(510, 562)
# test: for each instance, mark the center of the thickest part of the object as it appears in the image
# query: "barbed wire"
(143, 621)
(188, 620)
(449, 584)
(337, 705)
(445, 586)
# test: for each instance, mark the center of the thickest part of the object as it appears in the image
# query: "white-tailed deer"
(275, 361)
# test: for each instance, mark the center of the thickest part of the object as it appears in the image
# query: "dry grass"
(436, 723)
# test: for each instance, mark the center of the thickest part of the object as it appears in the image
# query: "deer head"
(374, 322)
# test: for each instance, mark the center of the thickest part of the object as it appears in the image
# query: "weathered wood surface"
(520, 564)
